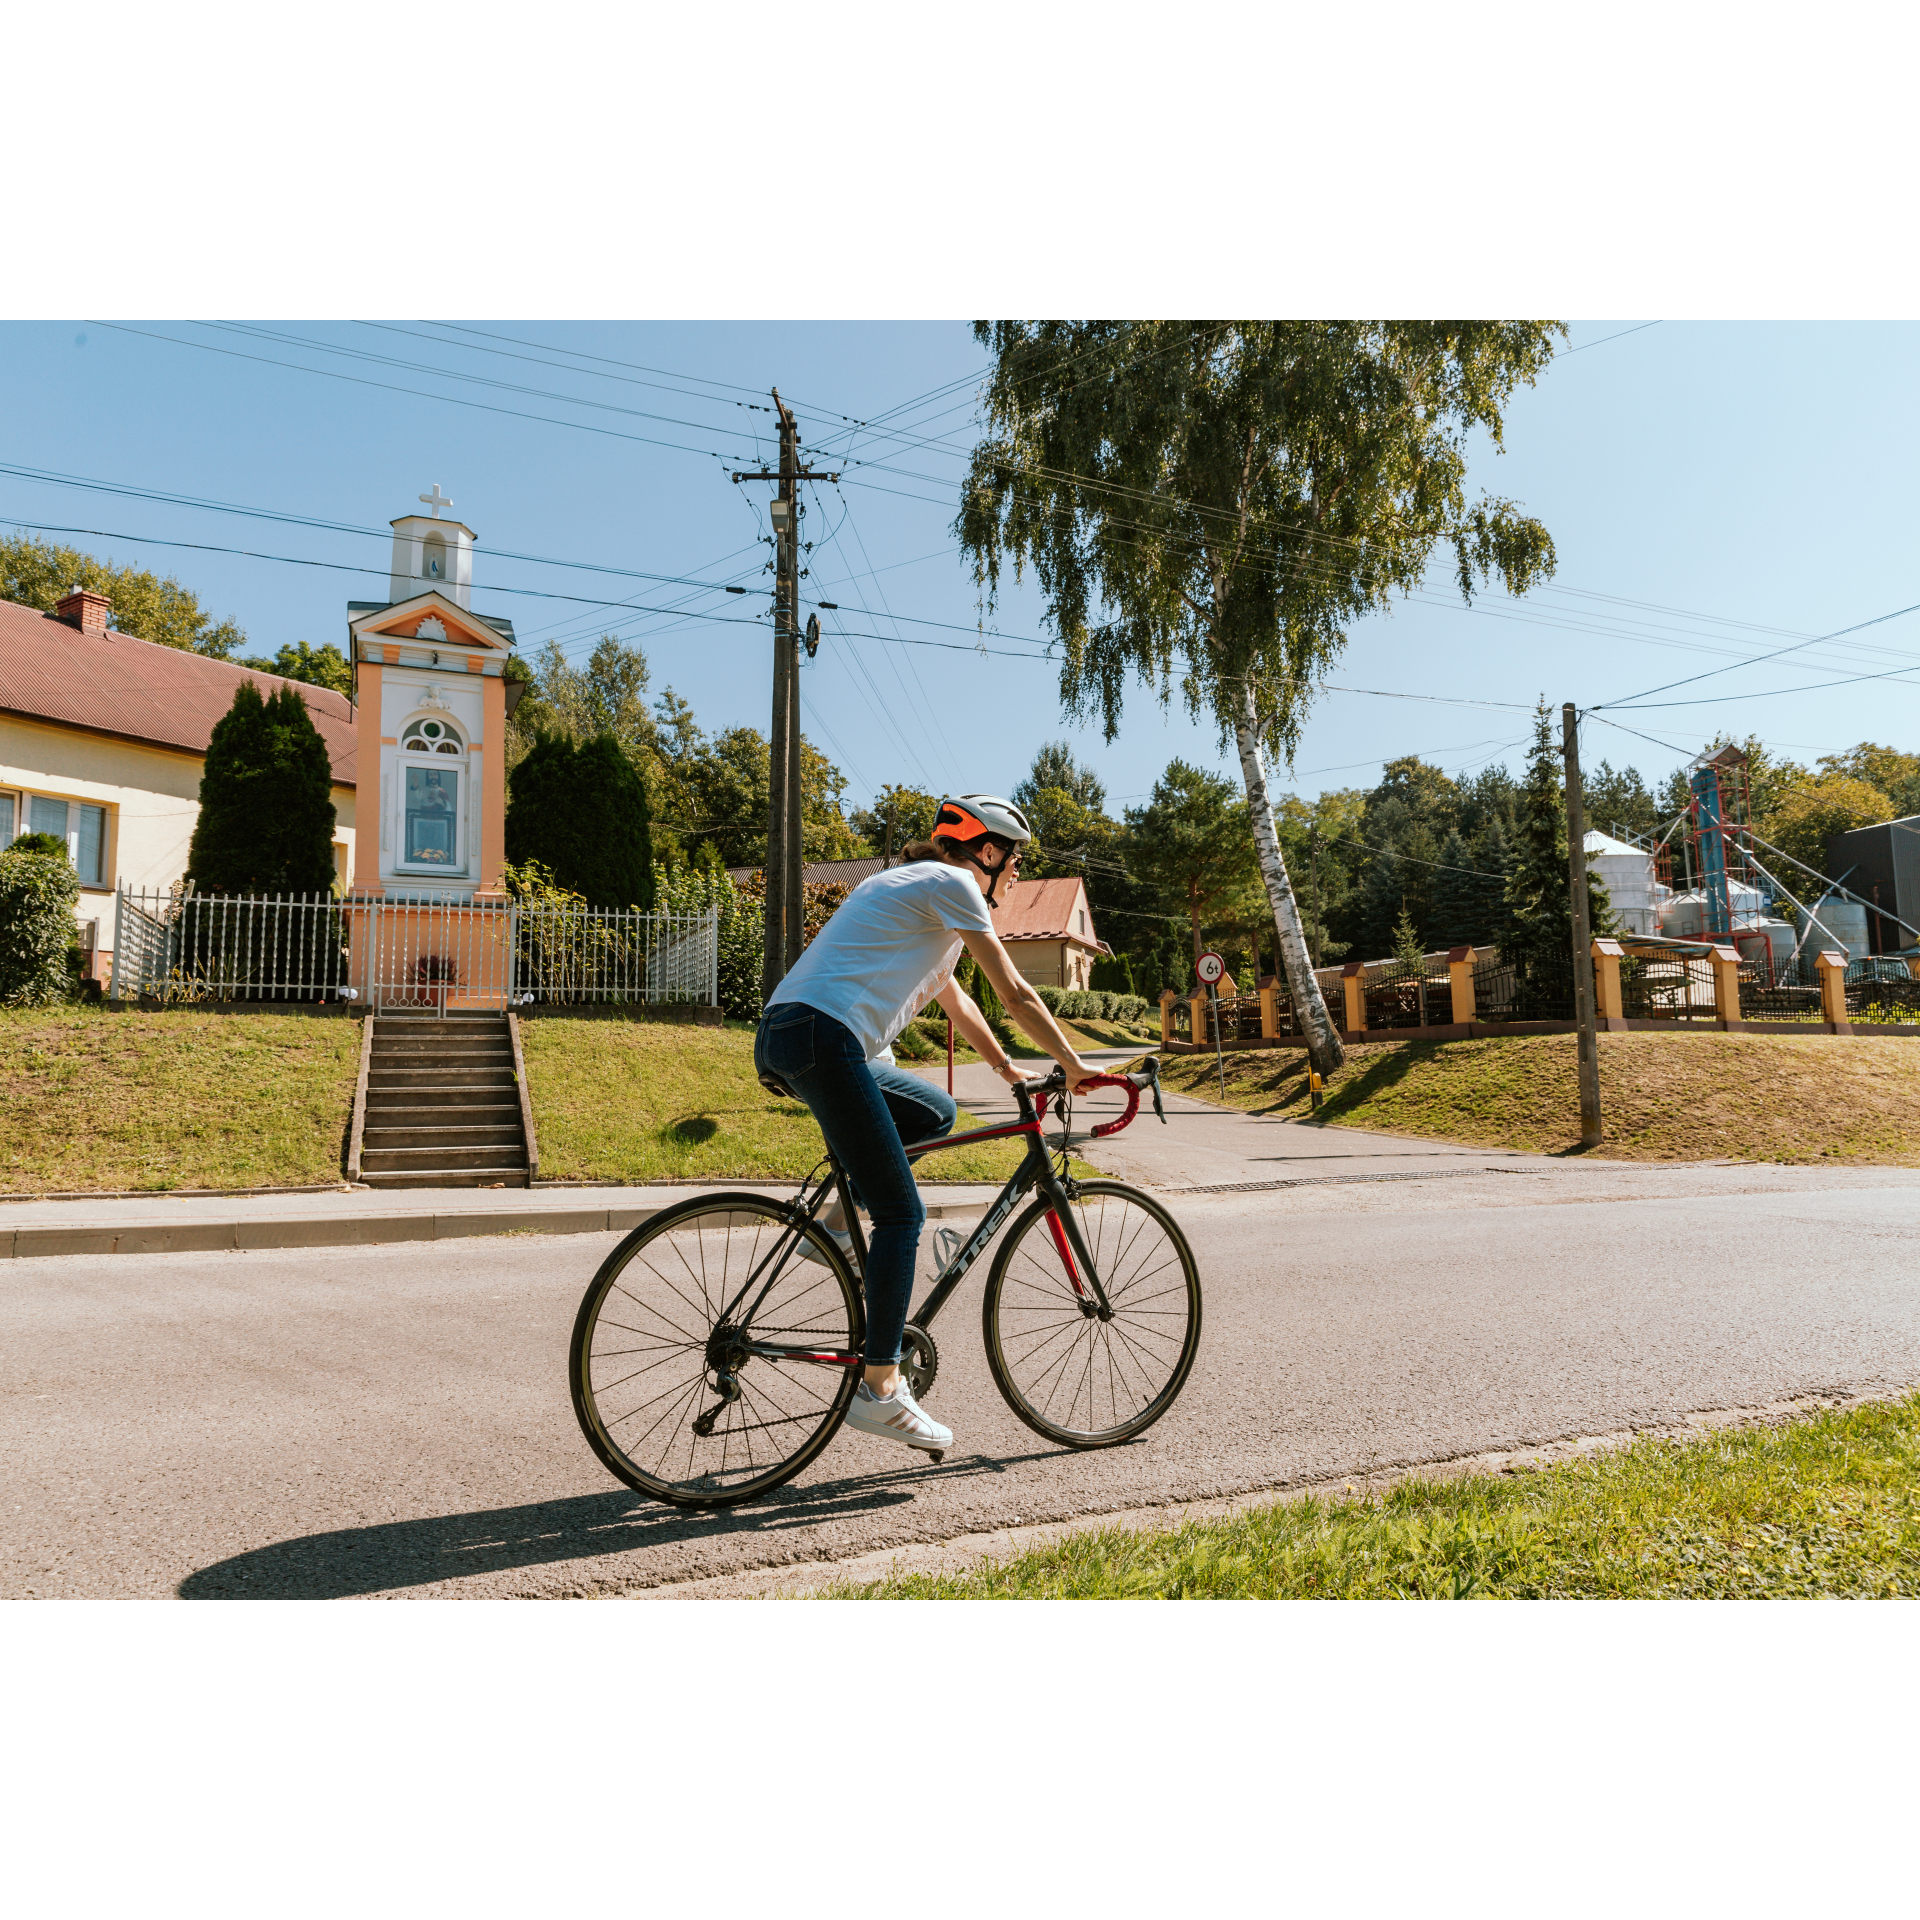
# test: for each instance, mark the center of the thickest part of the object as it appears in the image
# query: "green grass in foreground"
(630, 1100)
(94, 1101)
(1822, 1507)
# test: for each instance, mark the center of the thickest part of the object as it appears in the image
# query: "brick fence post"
(1726, 985)
(1460, 984)
(1833, 991)
(1168, 1001)
(1353, 978)
(1197, 1018)
(1607, 955)
(1269, 1006)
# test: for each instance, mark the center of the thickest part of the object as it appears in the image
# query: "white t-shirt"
(887, 951)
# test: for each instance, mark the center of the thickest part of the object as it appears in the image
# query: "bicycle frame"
(1035, 1170)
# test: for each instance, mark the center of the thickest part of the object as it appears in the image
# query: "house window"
(6, 819)
(90, 844)
(47, 816)
(432, 830)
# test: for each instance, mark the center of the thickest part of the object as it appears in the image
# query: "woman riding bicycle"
(827, 1034)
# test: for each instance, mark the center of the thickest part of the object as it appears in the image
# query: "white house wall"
(151, 796)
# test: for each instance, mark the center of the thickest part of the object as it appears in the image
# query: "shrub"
(37, 896)
(1052, 999)
(1129, 1009)
(266, 801)
(1113, 973)
(39, 843)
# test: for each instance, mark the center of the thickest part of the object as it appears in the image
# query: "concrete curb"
(231, 1235)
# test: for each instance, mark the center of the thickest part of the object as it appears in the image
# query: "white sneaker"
(897, 1417)
(844, 1241)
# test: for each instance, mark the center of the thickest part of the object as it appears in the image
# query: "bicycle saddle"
(777, 1087)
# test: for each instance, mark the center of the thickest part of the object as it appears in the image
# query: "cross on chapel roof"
(436, 500)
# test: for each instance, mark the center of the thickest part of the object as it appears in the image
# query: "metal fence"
(400, 953)
(1778, 1001)
(1541, 989)
(1883, 1001)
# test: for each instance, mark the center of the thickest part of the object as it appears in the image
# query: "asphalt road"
(394, 1420)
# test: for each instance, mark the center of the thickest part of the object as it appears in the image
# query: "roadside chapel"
(431, 703)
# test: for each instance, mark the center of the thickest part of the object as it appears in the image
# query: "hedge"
(37, 896)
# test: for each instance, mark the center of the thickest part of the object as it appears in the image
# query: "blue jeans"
(869, 1114)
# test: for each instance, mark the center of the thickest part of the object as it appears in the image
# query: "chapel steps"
(442, 1107)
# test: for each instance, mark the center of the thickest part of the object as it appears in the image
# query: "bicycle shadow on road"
(353, 1561)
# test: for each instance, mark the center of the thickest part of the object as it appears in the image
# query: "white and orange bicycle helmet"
(977, 817)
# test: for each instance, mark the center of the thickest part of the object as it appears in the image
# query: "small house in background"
(1047, 927)
(102, 742)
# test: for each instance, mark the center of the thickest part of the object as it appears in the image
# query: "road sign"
(1211, 969)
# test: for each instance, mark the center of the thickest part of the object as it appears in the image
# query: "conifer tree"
(581, 811)
(1493, 857)
(1456, 895)
(266, 800)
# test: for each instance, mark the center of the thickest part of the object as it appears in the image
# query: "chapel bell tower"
(429, 552)
(430, 710)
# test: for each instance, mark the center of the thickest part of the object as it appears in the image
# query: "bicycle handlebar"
(1148, 1078)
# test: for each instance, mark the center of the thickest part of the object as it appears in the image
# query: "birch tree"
(1211, 504)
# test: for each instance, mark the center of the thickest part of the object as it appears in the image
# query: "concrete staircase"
(442, 1104)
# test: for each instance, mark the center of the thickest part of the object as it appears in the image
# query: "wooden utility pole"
(1583, 1005)
(785, 896)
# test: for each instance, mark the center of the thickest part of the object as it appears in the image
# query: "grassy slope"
(92, 1100)
(1663, 1096)
(1828, 1506)
(644, 1100)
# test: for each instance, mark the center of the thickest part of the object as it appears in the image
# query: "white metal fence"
(400, 953)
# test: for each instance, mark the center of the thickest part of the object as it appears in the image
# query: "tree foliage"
(1221, 500)
(266, 800)
(1190, 840)
(581, 812)
(36, 574)
(322, 666)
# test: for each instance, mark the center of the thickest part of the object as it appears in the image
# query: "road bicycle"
(711, 1361)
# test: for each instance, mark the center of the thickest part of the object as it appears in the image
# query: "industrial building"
(1882, 865)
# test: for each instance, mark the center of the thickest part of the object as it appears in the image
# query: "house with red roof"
(102, 740)
(1047, 928)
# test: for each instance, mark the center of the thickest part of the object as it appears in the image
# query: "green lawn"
(631, 1100)
(94, 1101)
(1824, 1507)
(1663, 1096)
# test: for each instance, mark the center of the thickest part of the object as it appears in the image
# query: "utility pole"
(785, 897)
(1583, 1006)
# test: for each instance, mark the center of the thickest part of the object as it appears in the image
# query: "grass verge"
(1664, 1096)
(1824, 1507)
(632, 1100)
(93, 1101)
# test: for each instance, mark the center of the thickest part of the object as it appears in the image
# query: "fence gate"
(436, 956)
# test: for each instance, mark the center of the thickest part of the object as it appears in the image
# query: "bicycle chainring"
(919, 1361)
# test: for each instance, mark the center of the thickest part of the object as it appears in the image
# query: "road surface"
(394, 1420)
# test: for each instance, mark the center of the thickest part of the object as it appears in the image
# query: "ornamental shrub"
(266, 801)
(1052, 999)
(40, 843)
(1113, 973)
(38, 892)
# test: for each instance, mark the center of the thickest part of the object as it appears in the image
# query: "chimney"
(90, 612)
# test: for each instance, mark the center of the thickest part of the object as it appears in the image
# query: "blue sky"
(1715, 491)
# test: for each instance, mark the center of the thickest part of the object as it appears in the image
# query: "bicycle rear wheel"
(1083, 1381)
(695, 1410)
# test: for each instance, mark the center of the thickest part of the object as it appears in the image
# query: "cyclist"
(827, 1035)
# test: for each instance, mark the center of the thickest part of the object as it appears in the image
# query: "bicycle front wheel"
(1080, 1380)
(710, 1362)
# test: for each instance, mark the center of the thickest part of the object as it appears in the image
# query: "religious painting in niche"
(432, 815)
